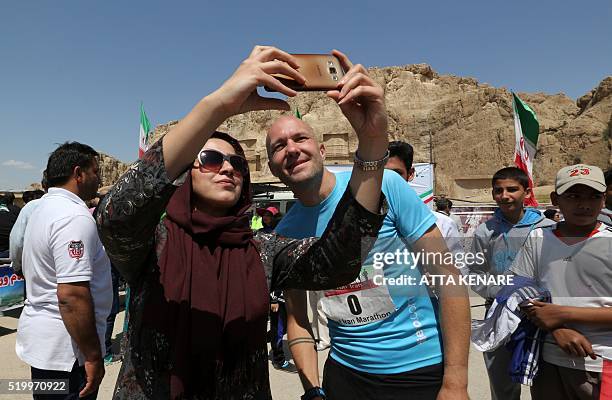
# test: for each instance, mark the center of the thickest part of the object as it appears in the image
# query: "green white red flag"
(145, 132)
(527, 130)
(427, 196)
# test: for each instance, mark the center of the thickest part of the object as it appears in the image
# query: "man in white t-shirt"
(573, 260)
(401, 155)
(444, 206)
(68, 282)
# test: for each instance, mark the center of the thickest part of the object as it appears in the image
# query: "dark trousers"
(278, 327)
(76, 382)
(561, 383)
(500, 382)
(344, 383)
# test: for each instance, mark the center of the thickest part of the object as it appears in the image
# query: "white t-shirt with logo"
(578, 275)
(61, 246)
(450, 232)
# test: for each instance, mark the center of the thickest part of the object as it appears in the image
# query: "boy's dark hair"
(403, 151)
(514, 173)
(65, 158)
(608, 177)
(550, 213)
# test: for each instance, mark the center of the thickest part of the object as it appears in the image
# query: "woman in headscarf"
(178, 231)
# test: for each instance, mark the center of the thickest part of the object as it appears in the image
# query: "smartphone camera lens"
(335, 77)
(332, 70)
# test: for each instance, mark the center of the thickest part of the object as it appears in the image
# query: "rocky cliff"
(111, 169)
(466, 127)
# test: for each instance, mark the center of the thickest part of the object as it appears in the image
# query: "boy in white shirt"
(573, 260)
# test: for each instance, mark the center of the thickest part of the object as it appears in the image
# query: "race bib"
(360, 302)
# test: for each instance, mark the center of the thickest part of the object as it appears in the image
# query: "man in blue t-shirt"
(386, 322)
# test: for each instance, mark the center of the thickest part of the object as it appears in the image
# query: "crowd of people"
(204, 284)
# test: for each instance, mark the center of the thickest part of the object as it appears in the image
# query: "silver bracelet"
(371, 165)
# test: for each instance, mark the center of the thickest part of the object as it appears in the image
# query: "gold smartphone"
(322, 73)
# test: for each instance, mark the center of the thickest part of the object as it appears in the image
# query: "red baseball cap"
(271, 210)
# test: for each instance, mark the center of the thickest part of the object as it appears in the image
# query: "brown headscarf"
(215, 294)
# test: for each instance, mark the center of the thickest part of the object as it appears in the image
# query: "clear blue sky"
(78, 70)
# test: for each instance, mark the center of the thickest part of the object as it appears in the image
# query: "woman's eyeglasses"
(212, 160)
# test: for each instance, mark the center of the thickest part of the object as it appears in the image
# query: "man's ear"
(322, 151)
(77, 174)
(411, 174)
(528, 193)
(554, 198)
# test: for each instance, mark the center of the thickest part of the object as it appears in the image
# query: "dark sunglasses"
(212, 160)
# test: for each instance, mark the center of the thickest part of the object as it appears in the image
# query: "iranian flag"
(427, 196)
(527, 129)
(145, 132)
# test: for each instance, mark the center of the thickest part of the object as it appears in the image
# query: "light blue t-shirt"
(409, 338)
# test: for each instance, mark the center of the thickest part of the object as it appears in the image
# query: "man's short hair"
(403, 151)
(514, 173)
(608, 177)
(272, 122)
(65, 158)
(443, 204)
(27, 196)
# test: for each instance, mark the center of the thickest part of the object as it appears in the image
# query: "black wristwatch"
(312, 393)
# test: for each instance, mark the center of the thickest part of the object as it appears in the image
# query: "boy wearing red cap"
(573, 260)
(269, 218)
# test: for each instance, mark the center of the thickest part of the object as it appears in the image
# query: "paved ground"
(285, 386)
